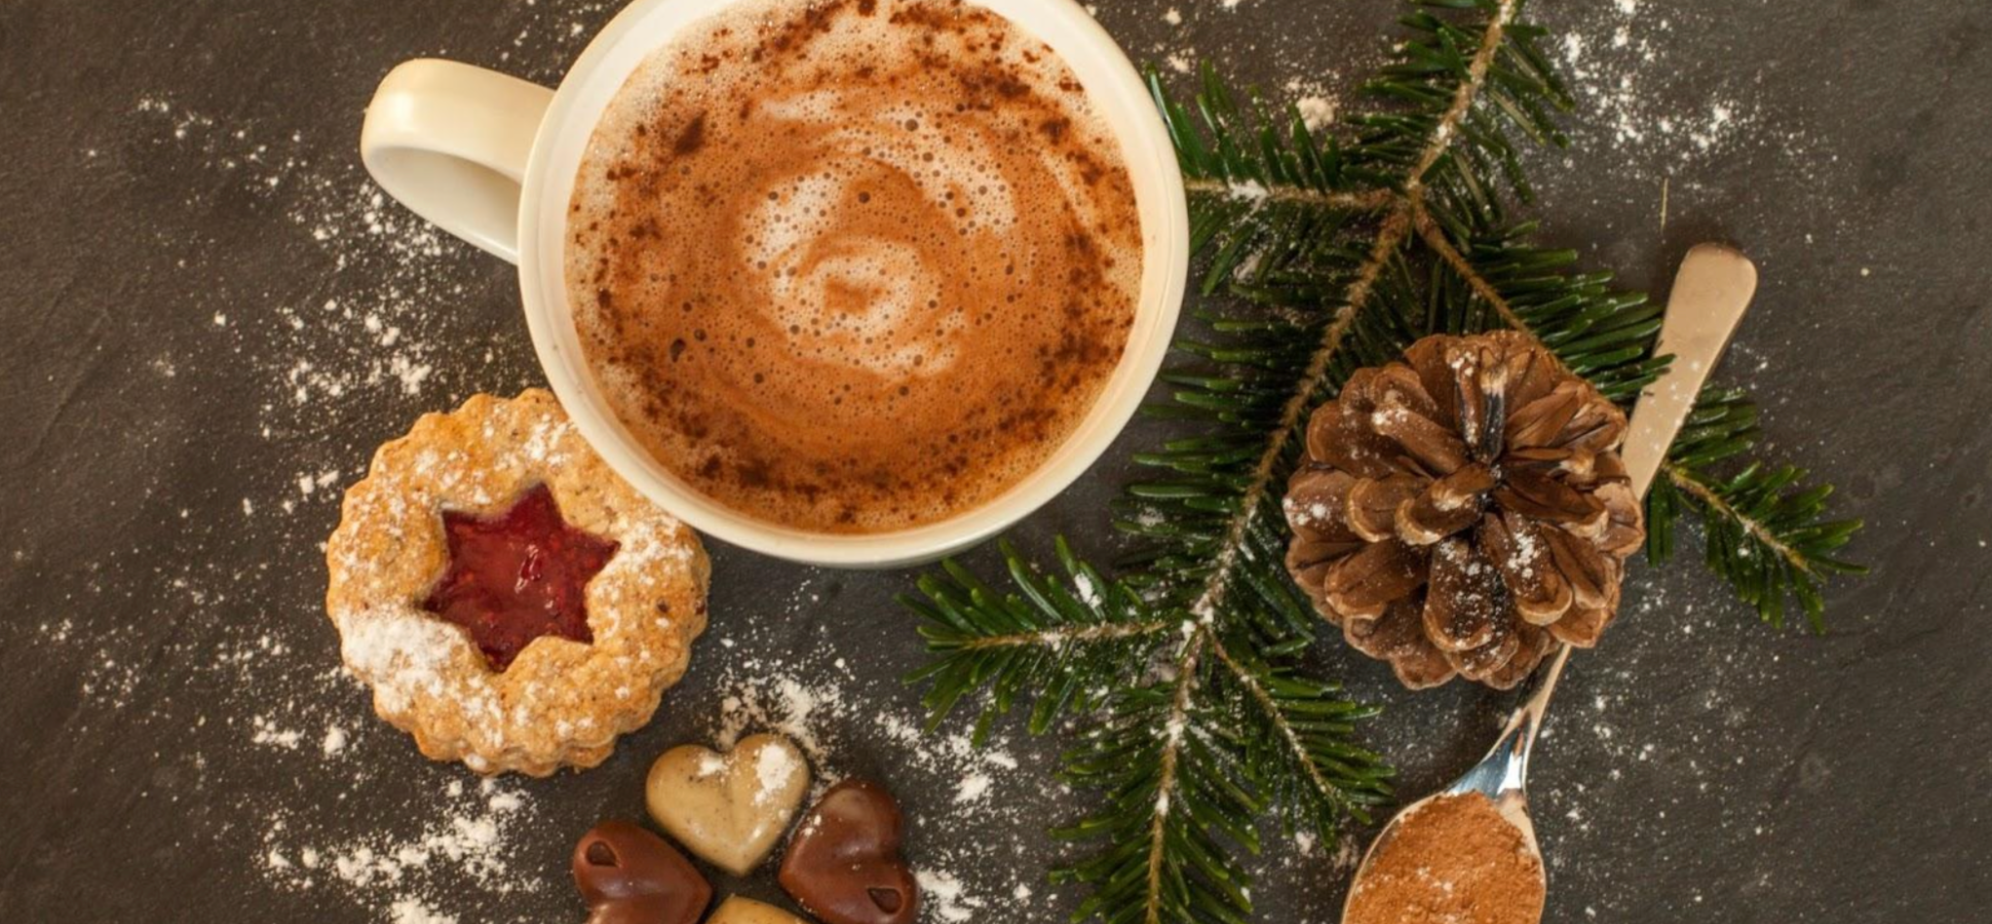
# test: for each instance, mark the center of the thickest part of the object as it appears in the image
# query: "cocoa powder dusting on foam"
(853, 266)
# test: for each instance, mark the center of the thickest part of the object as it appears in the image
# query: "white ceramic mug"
(492, 159)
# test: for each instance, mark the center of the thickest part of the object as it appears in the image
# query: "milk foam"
(853, 266)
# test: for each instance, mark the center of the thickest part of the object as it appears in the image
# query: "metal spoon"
(1711, 291)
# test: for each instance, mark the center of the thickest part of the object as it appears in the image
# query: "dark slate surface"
(180, 201)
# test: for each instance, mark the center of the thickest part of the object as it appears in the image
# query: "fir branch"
(1490, 44)
(1433, 237)
(1221, 571)
(1712, 498)
(1605, 335)
(1250, 504)
(1295, 408)
(1052, 644)
(1764, 532)
(1280, 194)
(1059, 638)
(1339, 253)
(1170, 755)
(1307, 719)
(1211, 802)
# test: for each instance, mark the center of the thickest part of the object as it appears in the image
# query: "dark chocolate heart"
(630, 876)
(843, 863)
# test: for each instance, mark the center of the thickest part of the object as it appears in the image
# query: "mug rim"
(1124, 104)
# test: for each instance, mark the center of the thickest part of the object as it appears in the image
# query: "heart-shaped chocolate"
(731, 808)
(843, 864)
(630, 876)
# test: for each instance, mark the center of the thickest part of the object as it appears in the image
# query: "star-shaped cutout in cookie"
(517, 576)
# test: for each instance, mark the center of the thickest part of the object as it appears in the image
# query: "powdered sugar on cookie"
(562, 701)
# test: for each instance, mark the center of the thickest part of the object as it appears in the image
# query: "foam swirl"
(853, 266)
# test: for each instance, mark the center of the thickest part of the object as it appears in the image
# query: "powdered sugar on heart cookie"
(728, 808)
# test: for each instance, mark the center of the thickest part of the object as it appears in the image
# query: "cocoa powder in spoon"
(1455, 860)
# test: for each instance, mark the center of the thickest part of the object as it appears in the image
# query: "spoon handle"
(1519, 735)
(1711, 291)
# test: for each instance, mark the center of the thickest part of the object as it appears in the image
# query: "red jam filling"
(517, 576)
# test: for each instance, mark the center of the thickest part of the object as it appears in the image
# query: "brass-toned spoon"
(1711, 291)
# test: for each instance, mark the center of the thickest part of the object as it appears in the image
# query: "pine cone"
(1462, 510)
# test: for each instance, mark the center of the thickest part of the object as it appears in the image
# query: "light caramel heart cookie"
(729, 809)
(739, 909)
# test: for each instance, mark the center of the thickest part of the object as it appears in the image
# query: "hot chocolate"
(854, 265)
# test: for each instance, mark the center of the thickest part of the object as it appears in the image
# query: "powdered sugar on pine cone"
(1460, 511)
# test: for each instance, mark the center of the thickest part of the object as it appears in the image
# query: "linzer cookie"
(511, 601)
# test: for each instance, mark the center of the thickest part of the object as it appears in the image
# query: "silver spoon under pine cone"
(1711, 292)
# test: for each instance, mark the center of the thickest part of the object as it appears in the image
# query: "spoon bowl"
(1501, 776)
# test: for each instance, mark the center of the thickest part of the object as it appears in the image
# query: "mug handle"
(451, 141)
